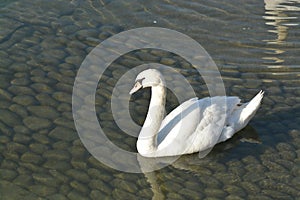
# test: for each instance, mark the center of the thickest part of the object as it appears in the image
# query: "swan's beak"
(135, 88)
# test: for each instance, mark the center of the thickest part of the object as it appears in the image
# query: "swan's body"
(194, 126)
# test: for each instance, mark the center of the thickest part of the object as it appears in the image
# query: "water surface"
(255, 44)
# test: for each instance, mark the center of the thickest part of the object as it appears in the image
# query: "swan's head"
(148, 78)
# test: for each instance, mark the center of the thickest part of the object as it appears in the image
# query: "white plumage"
(196, 125)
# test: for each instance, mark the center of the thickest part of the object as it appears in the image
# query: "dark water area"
(255, 45)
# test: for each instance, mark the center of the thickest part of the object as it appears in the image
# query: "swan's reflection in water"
(192, 163)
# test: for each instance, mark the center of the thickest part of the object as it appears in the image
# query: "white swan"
(193, 125)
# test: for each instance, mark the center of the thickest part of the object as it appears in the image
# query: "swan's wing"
(240, 116)
(196, 125)
(214, 113)
(177, 111)
(175, 119)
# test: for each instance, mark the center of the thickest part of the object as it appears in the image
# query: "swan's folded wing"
(213, 115)
(175, 117)
(178, 111)
(195, 125)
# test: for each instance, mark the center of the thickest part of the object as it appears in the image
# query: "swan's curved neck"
(147, 140)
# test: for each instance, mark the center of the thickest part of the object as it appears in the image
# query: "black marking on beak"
(140, 81)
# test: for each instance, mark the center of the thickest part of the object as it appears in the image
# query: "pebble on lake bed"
(36, 123)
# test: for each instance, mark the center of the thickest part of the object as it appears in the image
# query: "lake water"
(255, 45)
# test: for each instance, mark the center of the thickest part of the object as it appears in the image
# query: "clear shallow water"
(255, 45)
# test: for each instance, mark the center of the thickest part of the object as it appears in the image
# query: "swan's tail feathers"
(250, 108)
